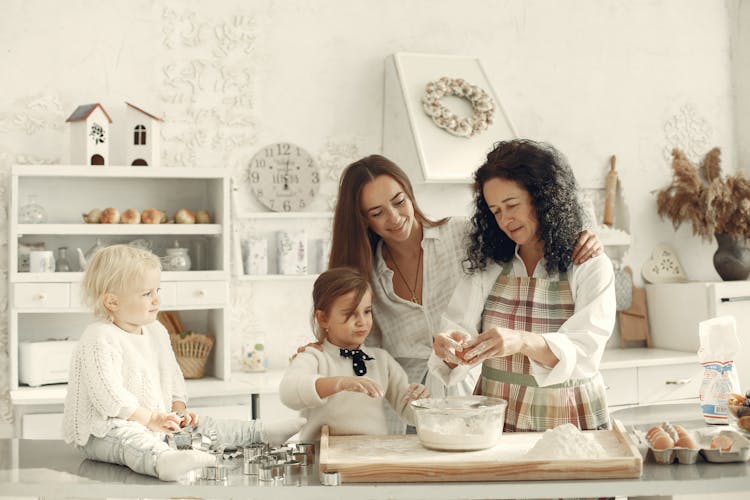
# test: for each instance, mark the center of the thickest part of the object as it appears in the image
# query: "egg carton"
(739, 450)
(684, 456)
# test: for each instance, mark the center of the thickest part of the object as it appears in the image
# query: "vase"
(732, 258)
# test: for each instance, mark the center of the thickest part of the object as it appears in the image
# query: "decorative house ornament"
(89, 135)
(481, 103)
(663, 266)
(142, 134)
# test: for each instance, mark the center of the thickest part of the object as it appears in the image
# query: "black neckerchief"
(358, 359)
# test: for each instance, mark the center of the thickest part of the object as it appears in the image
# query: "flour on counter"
(566, 441)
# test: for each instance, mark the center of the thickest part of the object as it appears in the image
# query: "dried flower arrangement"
(699, 195)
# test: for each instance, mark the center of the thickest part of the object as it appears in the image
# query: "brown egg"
(652, 431)
(722, 442)
(660, 440)
(687, 441)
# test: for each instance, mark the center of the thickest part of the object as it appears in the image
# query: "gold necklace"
(412, 290)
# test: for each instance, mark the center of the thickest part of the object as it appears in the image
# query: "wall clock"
(284, 177)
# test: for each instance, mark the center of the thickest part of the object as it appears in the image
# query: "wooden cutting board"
(397, 459)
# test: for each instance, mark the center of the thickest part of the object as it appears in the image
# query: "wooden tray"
(398, 459)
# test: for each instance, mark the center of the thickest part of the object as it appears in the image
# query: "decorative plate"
(663, 266)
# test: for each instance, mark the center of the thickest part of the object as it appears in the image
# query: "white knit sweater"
(113, 372)
(346, 413)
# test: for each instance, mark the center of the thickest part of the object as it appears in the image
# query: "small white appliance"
(675, 309)
(44, 362)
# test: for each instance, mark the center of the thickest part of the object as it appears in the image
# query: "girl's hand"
(163, 422)
(587, 246)
(188, 418)
(359, 384)
(448, 346)
(416, 391)
(493, 343)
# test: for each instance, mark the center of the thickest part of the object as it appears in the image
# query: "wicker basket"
(192, 351)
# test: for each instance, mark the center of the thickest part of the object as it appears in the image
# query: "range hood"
(411, 139)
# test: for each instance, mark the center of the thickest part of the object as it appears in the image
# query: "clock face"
(284, 177)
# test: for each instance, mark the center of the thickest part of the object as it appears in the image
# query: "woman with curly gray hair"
(536, 321)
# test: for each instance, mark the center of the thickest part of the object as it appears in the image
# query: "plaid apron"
(536, 305)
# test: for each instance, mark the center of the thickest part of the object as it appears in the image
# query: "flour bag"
(718, 346)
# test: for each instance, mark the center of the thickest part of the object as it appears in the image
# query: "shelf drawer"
(191, 293)
(76, 299)
(622, 386)
(41, 295)
(167, 294)
(657, 384)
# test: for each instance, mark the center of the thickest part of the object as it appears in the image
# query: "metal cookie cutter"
(330, 478)
(182, 440)
(292, 470)
(269, 472)
(254, 450)
(308, 449)
(214, 473)
(300, 457)
(201, 441)
(251, 466)
(281, 454)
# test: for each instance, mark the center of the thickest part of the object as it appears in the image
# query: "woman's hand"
(495, 342)
(587, 246)
(316, 345)
(416, 391)
(163, 422)
(449, 345)
(359, 384)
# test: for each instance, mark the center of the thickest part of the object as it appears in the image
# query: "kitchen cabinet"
(641, 376)
(47, 306)
(675, 309)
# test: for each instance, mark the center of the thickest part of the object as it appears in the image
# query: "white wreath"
(481, 103)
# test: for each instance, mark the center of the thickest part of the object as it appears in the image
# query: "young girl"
(125, 389)
(342, 386)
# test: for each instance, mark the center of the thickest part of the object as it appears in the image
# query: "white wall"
(740, 17)
(594, 77)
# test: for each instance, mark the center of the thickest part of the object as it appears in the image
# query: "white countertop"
(240, 384)
(42, 468)
(642, 356)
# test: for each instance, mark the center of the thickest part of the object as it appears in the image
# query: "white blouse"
(578, 344)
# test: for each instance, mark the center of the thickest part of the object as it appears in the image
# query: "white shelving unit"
(265, 225)
(47, 305)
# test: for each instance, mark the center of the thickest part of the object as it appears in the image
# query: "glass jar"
(32, 212)
(177, 259)
(62, 265)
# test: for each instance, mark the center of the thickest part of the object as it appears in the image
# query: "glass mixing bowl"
(459, 423)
